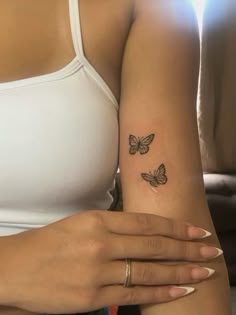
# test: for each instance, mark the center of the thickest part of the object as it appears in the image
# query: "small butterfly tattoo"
(157, 178)
(140, 145)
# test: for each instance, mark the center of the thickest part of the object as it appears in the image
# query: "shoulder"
(160, 24)
(162, 5)
(163, 41)
(167, 12)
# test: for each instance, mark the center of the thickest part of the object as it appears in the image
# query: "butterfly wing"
(160, 175)
(134, 144)
(148, 140)
(143, 149)
(144, 144)
(150, 178)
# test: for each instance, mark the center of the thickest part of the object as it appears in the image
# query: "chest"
(58, 143)
(35, 38)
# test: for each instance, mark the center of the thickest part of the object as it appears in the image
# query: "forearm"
(9, 286)
(164, 176)
(5, 310)
(211, 296)
(182, 200)
(7, 257)
(182, 197)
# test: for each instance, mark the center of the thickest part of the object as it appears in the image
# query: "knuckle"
(173, 226)
(146, 275)
(156, 245)
(178, 229)
(96, 248)
(143, 220)
(183, 231)
(183, 249)
(94, 220)
(131, 296)
(190, 251)
(158, 295)
(179, 275)
(91, 277)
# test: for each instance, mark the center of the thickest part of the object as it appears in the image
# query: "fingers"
(159, 247)
(155, 274)
(139, 295)
(150, 224)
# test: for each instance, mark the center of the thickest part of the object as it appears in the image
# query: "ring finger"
(149, 273)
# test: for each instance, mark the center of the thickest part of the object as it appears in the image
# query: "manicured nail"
(210, 252)
(202, 273)
(176, 292)
(195, 232)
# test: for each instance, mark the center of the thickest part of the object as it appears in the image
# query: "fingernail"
(195, 232)
(180, 291)
(202, 273)
(210, 252)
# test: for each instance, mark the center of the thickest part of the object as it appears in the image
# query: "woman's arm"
(5, 310)
(158, 99)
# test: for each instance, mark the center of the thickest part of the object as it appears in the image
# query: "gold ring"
(127, 282)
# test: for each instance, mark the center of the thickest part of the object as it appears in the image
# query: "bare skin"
(46, 45)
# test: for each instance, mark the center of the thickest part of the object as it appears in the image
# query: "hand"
(6, 310)
(77, 264)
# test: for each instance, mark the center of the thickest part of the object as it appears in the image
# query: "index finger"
(131, 223)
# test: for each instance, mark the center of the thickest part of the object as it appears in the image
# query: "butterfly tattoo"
(157, 178)
(140, 145)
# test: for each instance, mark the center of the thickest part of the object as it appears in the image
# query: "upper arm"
(159, 91)
(158, 96)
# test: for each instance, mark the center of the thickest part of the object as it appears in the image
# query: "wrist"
(8, 263)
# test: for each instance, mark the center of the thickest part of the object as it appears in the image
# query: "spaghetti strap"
(76, 32)
(76, 28)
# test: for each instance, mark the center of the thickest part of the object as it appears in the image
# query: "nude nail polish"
(202, 273)
(206, 233)
(198, 233)
(176, 291)
(210, 252)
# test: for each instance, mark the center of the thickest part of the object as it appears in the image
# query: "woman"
(62, 78)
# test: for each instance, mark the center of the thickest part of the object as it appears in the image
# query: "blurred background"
(217, 120)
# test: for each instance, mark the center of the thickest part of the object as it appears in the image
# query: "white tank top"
(58, 143)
